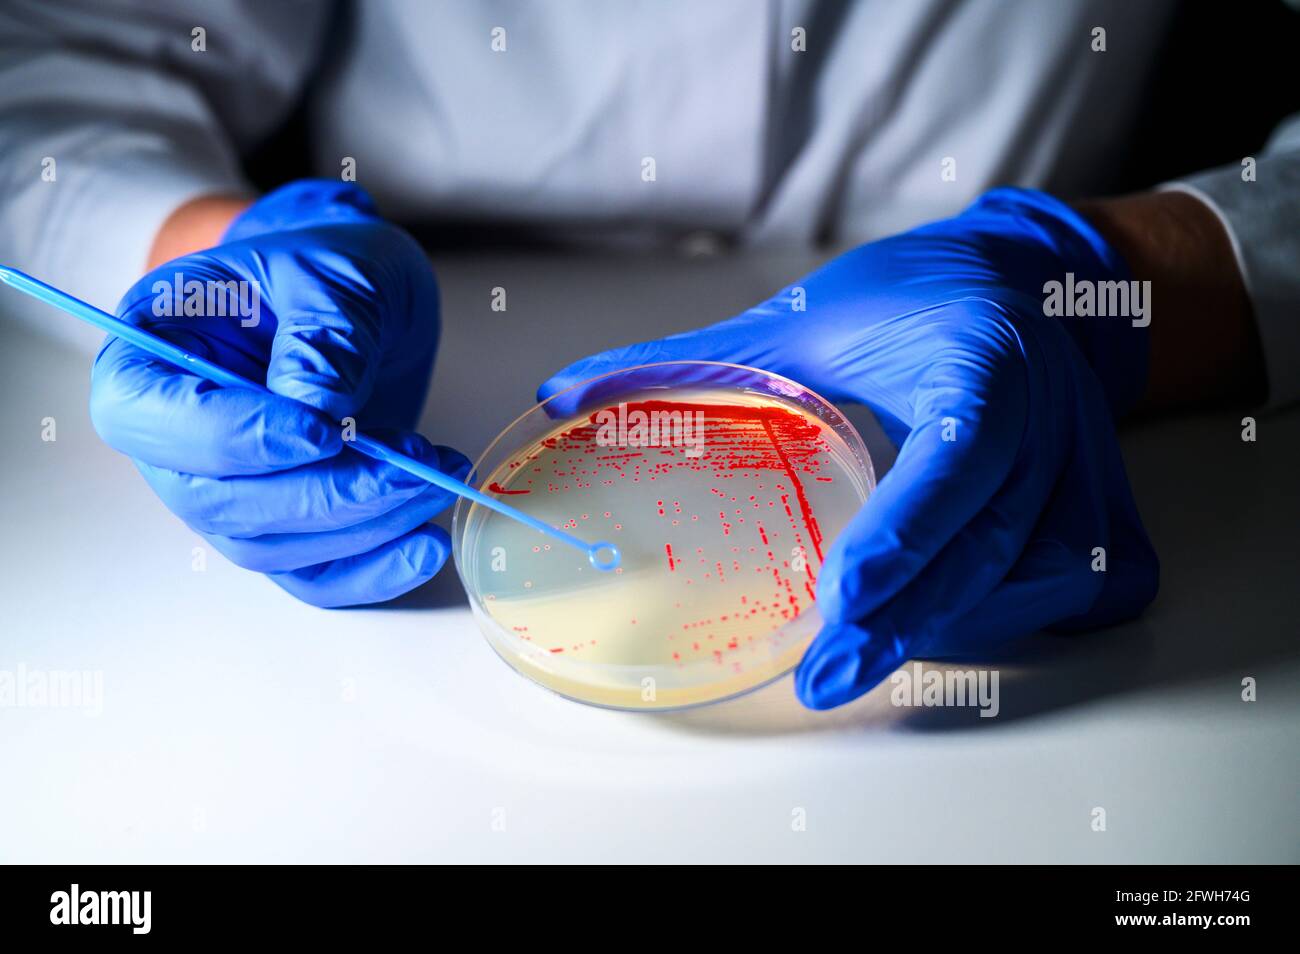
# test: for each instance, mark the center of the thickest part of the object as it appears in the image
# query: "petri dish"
(721, 485)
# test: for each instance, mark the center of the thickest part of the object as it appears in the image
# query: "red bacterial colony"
(762, 529)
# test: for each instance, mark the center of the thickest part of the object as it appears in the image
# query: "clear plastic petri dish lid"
(721, 485)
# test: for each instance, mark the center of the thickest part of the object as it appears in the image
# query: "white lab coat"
(632, 121)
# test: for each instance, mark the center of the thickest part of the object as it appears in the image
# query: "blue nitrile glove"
(345, 325)
(1009, 473)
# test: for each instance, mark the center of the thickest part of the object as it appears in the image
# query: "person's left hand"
(1008, 509)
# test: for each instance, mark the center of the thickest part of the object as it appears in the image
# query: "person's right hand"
(339, 318)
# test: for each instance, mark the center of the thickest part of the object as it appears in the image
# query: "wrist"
(1204, 346)
(196, 225)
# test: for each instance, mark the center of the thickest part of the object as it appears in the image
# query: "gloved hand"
(1008, 475)
(345, 324)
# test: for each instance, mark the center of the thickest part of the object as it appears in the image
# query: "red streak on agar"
(737, 438)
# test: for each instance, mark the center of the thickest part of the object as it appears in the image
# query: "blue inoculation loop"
(602, 556)
(597, 553)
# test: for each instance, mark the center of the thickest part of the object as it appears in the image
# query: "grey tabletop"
(237, 724)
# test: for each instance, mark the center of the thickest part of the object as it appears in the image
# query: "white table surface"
(240, 725)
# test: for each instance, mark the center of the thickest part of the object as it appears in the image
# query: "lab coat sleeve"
(1258, 201)
(116, 114)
